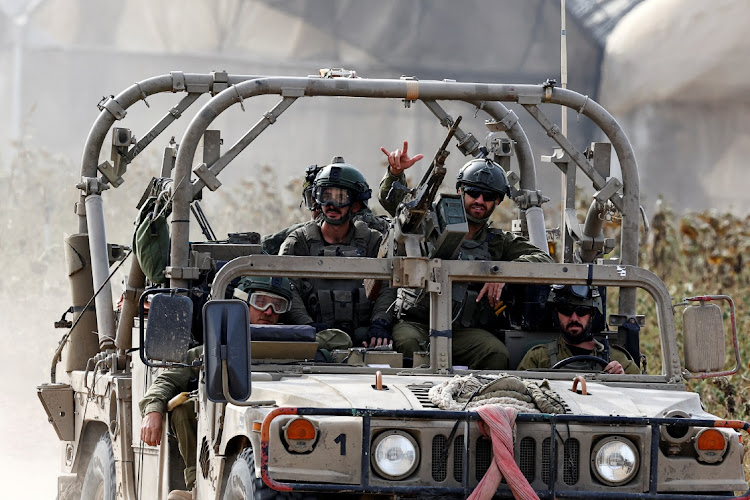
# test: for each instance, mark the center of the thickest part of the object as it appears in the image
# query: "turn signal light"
(300, 429)
(711, 439)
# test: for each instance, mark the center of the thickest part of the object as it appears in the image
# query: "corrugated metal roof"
(599, 17)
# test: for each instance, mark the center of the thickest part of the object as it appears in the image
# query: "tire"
(243, 485)
(99, 482)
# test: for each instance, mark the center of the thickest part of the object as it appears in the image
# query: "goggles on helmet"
(579, 291)
(331, 195)
(476, 193)
(569, 309)
(263, 300)
(309, 200)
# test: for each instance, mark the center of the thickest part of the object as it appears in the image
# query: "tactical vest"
(341, 303)
(552, 351)
(467, 312)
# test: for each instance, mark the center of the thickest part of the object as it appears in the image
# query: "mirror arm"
(225, 386)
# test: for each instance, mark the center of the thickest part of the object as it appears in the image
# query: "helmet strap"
(337, 222)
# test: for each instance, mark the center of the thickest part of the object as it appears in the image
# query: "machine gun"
(412, 212)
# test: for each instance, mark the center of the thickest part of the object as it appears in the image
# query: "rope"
(501, 422)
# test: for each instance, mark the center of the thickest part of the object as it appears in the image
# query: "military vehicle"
(275, 423)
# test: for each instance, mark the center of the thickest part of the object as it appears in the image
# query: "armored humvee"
(366, 424)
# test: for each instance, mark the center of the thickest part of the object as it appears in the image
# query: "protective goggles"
(487, 195)
(307, 197)
(569, 309)
(263, 300)
(330, 195)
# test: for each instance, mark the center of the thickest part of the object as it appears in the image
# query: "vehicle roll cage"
(230, 90)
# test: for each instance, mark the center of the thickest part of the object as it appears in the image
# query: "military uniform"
(183, 418)
(546, 355)
(338, 303)
(271, 243)
(473, 346)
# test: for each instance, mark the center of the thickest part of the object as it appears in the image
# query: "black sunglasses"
(487, 195)
(568, 310)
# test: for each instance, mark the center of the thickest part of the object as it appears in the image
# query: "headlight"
(395, 454)
(615, 460)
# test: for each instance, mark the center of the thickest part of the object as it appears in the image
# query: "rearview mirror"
(703, 338)
(168, 328)
(226, 335)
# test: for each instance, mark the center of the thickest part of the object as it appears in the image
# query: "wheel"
(99, 482)
(243, 485)
(582, 357)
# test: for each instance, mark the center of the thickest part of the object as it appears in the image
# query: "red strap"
(500, 422)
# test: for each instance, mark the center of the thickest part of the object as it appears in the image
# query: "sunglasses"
(568, 310)
(487, 195)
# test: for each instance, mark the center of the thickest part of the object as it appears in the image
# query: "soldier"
(483, 185)
(272, 243)
(267, 299)
(574, 308)
(342, 192)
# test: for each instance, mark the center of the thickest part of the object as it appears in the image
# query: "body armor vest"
(467, 312)
(340, 303)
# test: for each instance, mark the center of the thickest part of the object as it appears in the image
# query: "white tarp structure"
(676, 75)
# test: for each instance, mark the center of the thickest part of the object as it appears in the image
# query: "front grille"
(570, 465)
(527, 458)
(484, 456)
(439, 464)
(458, 459)
(421, 392)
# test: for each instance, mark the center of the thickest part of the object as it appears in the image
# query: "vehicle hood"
(410, 392)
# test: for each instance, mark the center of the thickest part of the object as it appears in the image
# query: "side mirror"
(704, 340)
(226, 335)
(168, 330)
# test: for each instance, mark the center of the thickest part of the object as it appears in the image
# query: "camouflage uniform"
(474, 347)
(542, 356)
(183, 418)
(306, 308)
(272, 242)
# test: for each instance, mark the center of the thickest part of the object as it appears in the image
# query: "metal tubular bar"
(105, 320)
(162, 125)
(521, 144)
(553, 458)
(554, 132)
(506, 272)
(265, 122)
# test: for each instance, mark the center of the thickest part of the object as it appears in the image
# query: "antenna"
(563, 66)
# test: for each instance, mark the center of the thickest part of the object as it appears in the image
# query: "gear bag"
(151, 241)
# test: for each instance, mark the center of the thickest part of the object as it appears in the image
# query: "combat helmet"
(280, 287)
(348, 179)
(576, 295)
(573, 296)
(484, 174)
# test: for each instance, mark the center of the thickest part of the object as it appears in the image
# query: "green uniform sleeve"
(509, 247)
(271, 243)
(385, 186)
(169, 384)
(617, 353)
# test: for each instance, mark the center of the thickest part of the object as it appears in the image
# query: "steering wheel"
(580, 357)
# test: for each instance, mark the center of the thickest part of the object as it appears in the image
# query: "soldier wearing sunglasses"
(574, 308)
(483, 185)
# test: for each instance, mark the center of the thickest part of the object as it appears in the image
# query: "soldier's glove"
(319, 327)
(379, 330)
